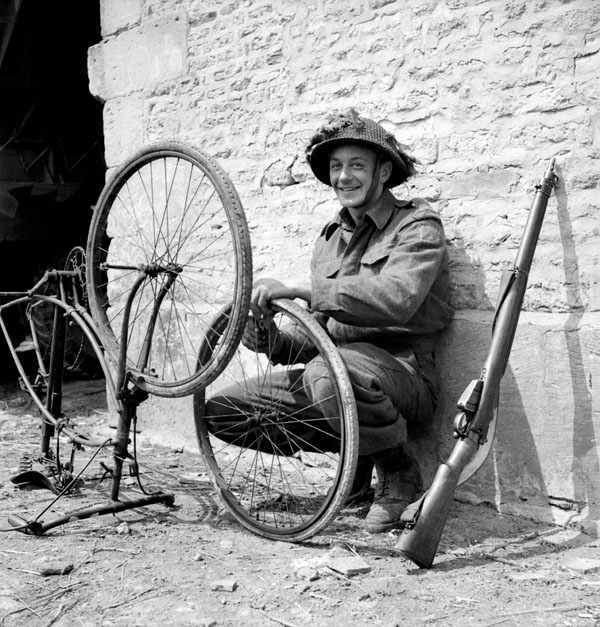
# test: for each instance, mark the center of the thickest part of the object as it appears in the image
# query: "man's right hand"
(261, 336)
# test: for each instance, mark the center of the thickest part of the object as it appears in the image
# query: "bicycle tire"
(279, 496)
(168, 206)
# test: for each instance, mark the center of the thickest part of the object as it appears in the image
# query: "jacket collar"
(380, 213)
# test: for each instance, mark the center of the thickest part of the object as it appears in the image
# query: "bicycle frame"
(52, 409)
(67, 307)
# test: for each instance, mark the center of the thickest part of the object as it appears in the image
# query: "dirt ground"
(191, 565)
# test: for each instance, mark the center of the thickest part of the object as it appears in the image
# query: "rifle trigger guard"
(462, 424)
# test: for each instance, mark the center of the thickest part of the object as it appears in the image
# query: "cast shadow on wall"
(585, 460)
(512, 479)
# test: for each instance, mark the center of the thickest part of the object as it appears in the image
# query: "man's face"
(352, 169)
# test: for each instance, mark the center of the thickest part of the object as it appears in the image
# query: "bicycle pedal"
(134, 469)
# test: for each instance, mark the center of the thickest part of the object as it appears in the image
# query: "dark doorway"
(51, 139)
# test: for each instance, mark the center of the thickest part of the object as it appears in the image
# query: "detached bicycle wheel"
(281, 464)
(168, 247)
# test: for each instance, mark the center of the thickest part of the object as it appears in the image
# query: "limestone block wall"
(484, 93)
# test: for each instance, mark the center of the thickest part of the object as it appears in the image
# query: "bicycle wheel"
(170, 235)
(282, 470)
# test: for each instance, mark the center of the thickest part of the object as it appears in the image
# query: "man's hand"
(261, 336)
(268, 289)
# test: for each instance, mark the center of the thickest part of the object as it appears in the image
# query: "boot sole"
(397, 524)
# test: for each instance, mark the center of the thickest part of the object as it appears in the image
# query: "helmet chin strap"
(376, 176)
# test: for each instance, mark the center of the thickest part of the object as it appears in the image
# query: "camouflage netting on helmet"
(349, 127)
(335, 123)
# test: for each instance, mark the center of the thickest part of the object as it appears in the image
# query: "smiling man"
(379, 286)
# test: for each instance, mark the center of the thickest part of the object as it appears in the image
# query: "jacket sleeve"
(295, 347)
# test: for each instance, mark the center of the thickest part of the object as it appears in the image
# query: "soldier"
(379, 285)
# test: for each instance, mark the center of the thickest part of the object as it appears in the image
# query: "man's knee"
(317, 380)
(217, 414)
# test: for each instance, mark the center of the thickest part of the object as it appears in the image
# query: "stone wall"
(484, 93)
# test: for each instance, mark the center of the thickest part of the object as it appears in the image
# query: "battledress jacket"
(383, 281)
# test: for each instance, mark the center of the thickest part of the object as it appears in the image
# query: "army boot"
(399, 483)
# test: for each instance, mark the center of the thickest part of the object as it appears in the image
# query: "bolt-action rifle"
(425, 519)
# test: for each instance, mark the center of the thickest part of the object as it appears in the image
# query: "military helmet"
(349, 127)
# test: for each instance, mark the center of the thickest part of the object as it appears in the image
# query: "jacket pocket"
(376, 258)
(327, 268)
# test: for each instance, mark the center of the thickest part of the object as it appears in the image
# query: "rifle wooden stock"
(425, 519)
(420, 543)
